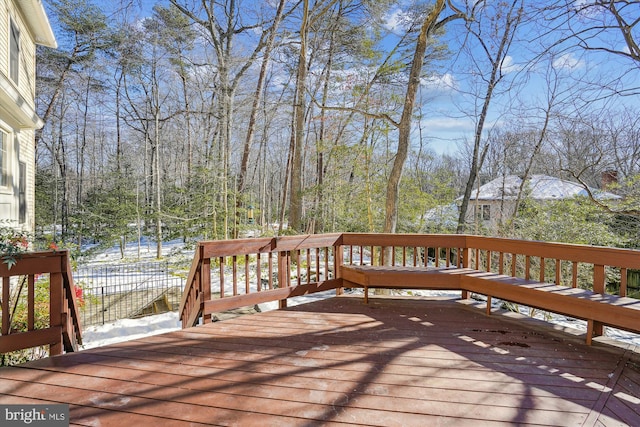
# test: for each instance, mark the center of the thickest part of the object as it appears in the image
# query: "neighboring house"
(23, 24)
(496, 200)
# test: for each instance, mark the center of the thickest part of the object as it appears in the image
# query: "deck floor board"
(393, 362)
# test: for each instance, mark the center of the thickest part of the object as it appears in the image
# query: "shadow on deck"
(395, 361)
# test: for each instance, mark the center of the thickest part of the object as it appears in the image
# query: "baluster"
(298, 256)
(31, 297)
(234, 267)
(598, 279)
(246, 274)
(558, 272)
(501, 263)
(258, 273)
(574, 274)
(623, 282)
(542, 275)
(326, 265)
(271, 270)
(309, 265)
(222, 261)
(5, 305)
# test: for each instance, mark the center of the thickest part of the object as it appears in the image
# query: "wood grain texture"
(339, 362)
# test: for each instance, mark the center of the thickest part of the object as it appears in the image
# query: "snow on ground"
(146, 250)
(129, 329)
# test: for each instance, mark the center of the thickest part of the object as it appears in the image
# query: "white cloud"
(442, 82)
(567, 62)
(448, 124)
(397, 21)
(509, 66)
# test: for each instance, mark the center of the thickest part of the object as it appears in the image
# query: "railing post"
(6, 282)
(283, 274)
(55, 310)
(598, 286)
(205, 283)
(338, 259)
(466, 262)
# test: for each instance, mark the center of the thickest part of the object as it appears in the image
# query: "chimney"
(608, 178)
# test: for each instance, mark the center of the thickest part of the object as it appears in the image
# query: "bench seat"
(595, 308)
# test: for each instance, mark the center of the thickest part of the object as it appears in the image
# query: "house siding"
(27, 77)
(16, 121)
(4, 39)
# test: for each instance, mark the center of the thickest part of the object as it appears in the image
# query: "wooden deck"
(393, 362)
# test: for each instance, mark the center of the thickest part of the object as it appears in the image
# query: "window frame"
(14, 52)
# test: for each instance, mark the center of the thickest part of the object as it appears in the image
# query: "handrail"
(63, 332)
(584, 266)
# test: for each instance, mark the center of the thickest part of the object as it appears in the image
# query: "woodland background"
(218, 119)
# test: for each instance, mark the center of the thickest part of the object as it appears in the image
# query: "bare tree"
(504, 26)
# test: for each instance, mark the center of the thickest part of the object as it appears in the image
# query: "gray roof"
(538, 187)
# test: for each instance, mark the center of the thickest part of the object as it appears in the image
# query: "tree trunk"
(404, 128)
(295, 196)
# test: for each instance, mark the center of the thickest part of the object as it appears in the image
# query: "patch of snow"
(130, 329)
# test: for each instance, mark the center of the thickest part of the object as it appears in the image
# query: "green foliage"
(570, 221)
(84, 24)
(626, 212)
(19, 321)
(107, 212)
(45, 196)
(13, 243)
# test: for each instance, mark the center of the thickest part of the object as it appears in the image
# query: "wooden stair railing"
(253, 271)
(63, 331)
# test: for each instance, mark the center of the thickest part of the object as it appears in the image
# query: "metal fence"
(120, 291)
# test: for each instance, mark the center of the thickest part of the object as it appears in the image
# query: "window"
(4, 160)
(486, 212)
(14, 54)
(483, 212)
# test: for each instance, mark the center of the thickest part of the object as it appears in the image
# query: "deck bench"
(595, 308)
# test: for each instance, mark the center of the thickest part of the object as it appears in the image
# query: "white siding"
(4, 38)
(20, 141)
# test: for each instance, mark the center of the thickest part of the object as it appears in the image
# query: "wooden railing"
(252, 271)
(61, 330)
(587, 267)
